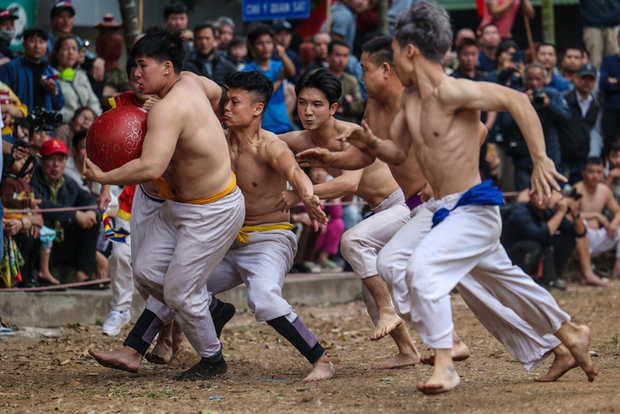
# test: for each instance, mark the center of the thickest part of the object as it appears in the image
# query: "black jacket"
(574, 134)
(69, 195)
(222, 68)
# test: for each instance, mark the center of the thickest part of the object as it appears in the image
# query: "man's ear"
(333, 108)
(259, 108)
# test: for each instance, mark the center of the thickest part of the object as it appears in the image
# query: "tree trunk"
(382, 20)
(130, 22)
(548, 21)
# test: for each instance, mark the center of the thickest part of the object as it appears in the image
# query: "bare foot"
(562, 363)
(80, 276)
(460, 352)
(162, 352)
(323, 369)
(177, 337)
(399, 361)
(47, 276)
(590, 279)
(126, 359)
(386, 324)
(441, 381)
(579, 345)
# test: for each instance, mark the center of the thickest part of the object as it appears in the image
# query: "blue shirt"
(610, 68)
(276, 118)
(559, 83)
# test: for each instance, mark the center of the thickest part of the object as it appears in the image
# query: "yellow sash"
(244, 235)
(166, 191)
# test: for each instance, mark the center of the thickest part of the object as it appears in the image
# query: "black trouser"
(29, 248)
(78, 248)
(610, 126)
(527, 254)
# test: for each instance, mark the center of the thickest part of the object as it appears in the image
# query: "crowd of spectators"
(577, 102)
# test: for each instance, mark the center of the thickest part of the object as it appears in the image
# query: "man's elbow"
(352, 187)
(399, 159)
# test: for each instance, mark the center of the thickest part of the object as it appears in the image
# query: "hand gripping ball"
(115, 138)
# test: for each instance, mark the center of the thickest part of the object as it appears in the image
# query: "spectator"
(283, 34)
(175, 20)
(39, 136)
(610, 87)
(227, 32)
(260, 41)
(602, 233)
(612, 176)
(539, 236)
(600, 20)
(204, 60)
(76, 231)
(83, 117)
(7, 33)
(502, 13)
(343, 23)
(320, 44)
(30, 77)
(547, 56)
(575, 133)
(62, 20)
(237, 52)
(351, 103)
(571, 62)
(510, 67)
(551, 109)
(73, 81)
(489, 39)
(11, 107)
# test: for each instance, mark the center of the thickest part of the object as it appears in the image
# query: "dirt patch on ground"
(46, 371)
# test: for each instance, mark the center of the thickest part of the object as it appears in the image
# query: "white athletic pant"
(600, 243)
(121, 274)
(520, 339)
(262, 264)
(467, 241)
(186, 242)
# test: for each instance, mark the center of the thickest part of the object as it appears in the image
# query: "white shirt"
(584, 105)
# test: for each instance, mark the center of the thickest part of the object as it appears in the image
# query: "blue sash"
(485, 194)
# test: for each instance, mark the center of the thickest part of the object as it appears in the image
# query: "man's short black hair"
(324, 80)
(174, 8)
(575, 47)
(206, 25)
(594, 161)
(614, 146)
(36, 32)
(483, 28)
(259, 86)
(237, 40)
(337, 42)
(379, 50)
(78, 136)
(466, 42)
(257, 31)
(541, 44)
(161, 45)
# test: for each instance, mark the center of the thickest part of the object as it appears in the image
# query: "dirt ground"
(47, 371)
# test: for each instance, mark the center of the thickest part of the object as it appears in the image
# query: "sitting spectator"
(571, 62)
(351, 103)
(508, 72)
(575, 133)
(489, 40)
(227, 32)
(539, 237)
(204, 60)
(76, 231)
(602, 233)
(610, 86)
(73, 81)
(547, 56)
(30, 77)
(237, 52)
(260, 41)
(83, 118)
(600, 20)
(7, 33)
(320, 45)
(502, 14)
(612, 177)
(551, 109)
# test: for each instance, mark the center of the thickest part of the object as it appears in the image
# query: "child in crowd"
(237, 52)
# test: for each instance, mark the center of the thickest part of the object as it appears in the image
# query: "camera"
(538, 98)
(39, 119)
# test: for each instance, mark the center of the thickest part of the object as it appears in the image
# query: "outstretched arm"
(351, 158)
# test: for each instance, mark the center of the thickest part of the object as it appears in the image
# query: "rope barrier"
(65, 286)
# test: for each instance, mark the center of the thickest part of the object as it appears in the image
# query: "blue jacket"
(599, 13)
(525, 224)
(18, 76)
(610, 68)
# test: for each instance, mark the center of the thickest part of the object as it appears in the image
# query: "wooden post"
(328, 16)
(130, 22)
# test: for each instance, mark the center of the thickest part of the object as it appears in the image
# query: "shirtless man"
(384, 92)
(602, 233)
(440, 117)
(317, 94)
(203, 211)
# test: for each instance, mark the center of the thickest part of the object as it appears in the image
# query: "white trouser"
(601, 243)
(121, 274)
(186, 243)
(523, 343)
(262, 264)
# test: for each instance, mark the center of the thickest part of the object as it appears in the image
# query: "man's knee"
(349, 244)
(389, 263)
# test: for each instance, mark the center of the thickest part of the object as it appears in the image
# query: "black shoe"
(203, 370)
(221, 315)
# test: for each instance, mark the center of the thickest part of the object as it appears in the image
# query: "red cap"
(53, 146)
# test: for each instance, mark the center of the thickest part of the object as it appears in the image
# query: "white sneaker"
(116, 320)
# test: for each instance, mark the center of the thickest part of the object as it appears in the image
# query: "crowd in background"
(574, 91)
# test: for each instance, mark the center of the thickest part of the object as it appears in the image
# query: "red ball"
(115, 138)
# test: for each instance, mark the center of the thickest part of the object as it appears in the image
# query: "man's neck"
(32, 60)
(471, 73)
(207, 56)
(569, 75)
(241, 136)
(325, 133)
(549, 76)
(337, 73)
(389, 97)
(490, 51)
(428, 76)
(58, 33)
(169, 86)
(583, 95)
(263, 63)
